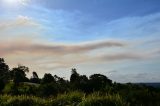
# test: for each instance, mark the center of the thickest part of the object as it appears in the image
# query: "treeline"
(95, 90)
(49, 84)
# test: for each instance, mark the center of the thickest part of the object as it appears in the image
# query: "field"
(68, 99)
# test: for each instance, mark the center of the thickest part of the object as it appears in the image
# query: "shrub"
(10, 88)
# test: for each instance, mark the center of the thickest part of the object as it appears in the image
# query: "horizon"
(119, 39)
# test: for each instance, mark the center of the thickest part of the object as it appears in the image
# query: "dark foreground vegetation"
(97, 90)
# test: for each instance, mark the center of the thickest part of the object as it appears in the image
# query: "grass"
(96, 99)
(7, 100)
(67, 99)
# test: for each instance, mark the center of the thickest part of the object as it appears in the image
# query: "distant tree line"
(50, 84)
(14, 82)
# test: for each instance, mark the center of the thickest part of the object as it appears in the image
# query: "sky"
(117, 38)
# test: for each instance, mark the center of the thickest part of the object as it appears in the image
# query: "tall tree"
(75, 79)
(35, 75)
(34, 78)
(4, 70)
(74, 76)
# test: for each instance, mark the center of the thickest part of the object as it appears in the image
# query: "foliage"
(68, 99)
(48, 89)
(48, 78)
(2, 85)
(35, 78)
(22, 100)
(4, 73)
(98, 81)
(18, 74)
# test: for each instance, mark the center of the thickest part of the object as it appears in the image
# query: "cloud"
(20, 21)
(26, 46)
(51, 56)
(124, 56)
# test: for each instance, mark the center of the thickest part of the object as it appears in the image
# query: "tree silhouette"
(75, 79)
(35, 75)
(4, 70)
(98, 81)
(2, 84)
(84, 85)
(61, 83)
(34, 78)
(48, 78)
(18, 74)
(74, 76)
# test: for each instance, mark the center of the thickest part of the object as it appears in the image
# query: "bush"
(47, 90)
(10, 88)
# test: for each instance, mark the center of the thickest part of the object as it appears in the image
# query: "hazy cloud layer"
(26, 46)
(19, 21)
(58, 56)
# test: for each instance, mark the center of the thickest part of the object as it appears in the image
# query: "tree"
(78, 81)
(74, 76)
(62, 84)
(18, 74)
(75, 79)
(48, 78)
(48, 85)
(99, 81)
(2, 84)
(23, 68)
(34, 78)
(48, 89)
(83, 85)
(4, 70)
(35, 75)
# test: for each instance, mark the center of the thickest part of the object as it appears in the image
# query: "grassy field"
(67, 99)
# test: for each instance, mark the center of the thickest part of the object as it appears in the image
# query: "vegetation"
(69, 99)
(97, 90)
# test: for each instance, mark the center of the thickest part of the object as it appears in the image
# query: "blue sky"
(118, 38)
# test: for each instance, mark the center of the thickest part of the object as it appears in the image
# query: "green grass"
(68, 99)
(96, 99)
(7, 100)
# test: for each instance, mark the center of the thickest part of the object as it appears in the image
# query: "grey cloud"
(56, 49)
(65, 55)
(71, 61)
(123, 56)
